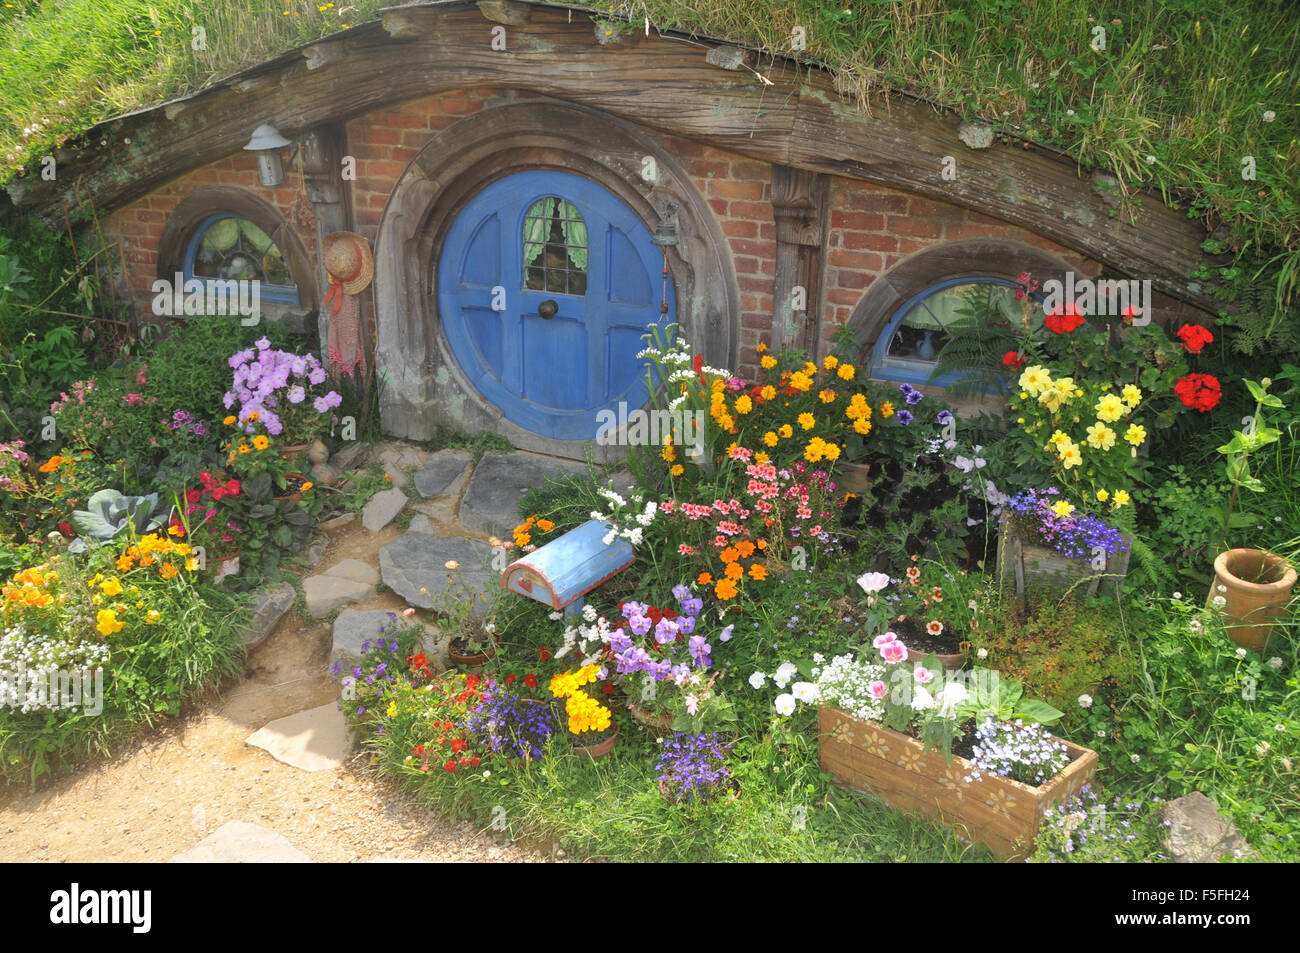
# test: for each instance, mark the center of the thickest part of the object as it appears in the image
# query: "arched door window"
(229, 247)
(555, 248)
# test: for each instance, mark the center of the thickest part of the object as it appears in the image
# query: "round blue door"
(546, 284)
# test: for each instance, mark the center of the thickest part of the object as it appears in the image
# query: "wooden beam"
(799, 200)
(663, 83)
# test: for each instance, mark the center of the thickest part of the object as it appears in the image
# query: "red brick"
(719, 206)
(909, 246)
(918, 207)
(749, 302)
(876, 201)
(844, 296)
(756, 322)
(386, 169)
(415, 138)
(860, 241)
(739, 228)
(919, 228)
(383, 135)
(745, 246)
(847, 278)
(730, 189)
(767, 231)
(746, 266)
(858, 261)
(704, 169)
(755, 210)
(768, 266)
(863, 221)
(147, 215)
(762, 285)
(746, 169)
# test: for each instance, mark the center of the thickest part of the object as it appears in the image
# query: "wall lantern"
(267, 143)
(665, 235)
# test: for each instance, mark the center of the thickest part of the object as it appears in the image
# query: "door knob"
(548, 309)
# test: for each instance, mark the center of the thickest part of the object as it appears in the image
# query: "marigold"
(111, 588)
(734, 571)
(745, 548)
(767, 361)
(106, 622)
(230, 420)
(770, 438)
(768, 392)
(827, 396)
(831, 362)
(545, 525)
(846, 372)
(862, 426)
(260, 442)
(743, 404)
(786, 431)
(807, 421)
(726, 589)
(887, 409)
(758, 571)
(167, 570)
(704, 579)
(677, 469)
(728, 555)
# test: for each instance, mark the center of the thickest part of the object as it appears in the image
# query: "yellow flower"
(801, 382)
(743, 404)
(770, 438)
(191, 564)
(846, 372)
(176, 530)
(1110, 408)
(1103, 495)
(831, 362)
(1070, 456)
(153, 616)
(807, 421)
(810, 368)
(761, 458)
(111, 588)
(1062, 508)
(229, 420)
(1135, 434)
(887, 409)
(862, 426)
(106, 622)
(1132, 395)
(1059, 438)
(307, 486)
(815, 450)
(761, 347)
(669, 453)
(260, 442)
(767, 361)
(768, 392)
(1121, 497)
(786, 431)
(1034, 380)
(677, 469)
(827, 396)
(1100, 436)
(244, 448)
(831, 451)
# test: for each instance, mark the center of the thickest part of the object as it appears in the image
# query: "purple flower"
(692, 607)
(321, 405)
(639, 624)
(296, 394)
(912, 395)
(726, 634)
(681, 592)
(317, 376)
(263, 343)
(700, 650)
(905, 417)
(944, 417)
(666, 630)
(687, 624)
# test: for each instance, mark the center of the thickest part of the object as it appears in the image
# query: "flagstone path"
(264, 772)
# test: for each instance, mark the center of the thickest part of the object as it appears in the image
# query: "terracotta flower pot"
(295, 451)
(649, 719)
(296, 495)
(600, 749)
(1257, 588)
(317, 452)
(470, 661)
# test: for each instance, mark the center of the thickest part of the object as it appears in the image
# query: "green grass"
(1186, 82)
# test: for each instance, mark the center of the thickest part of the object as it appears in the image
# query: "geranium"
(1194, 337)
(1013, 359)
(1199, 391)
(1064, 320)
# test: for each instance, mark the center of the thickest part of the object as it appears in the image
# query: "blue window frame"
(911, 341)
(227, 246)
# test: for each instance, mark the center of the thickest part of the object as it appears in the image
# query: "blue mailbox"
(566, 569)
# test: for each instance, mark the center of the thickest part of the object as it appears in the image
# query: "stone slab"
(1199, 835)
(397, 477)
(240, 842)
(491, 503)
(382, 509)
(324, 594)
(354, 569)
(418, 562)
(411, 458)
(441, 471)
(421, 524)
(338, 523)
(312, 740)
(269, 607)
(350, 456)
(353, 627)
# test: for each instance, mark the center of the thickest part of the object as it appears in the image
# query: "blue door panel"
(551, 376)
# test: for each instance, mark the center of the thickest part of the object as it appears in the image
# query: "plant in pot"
(926, 607)
(590, 722)
(1251, 586)
(509, 725)
(1045, 537)
(279, 394)
(467, 620)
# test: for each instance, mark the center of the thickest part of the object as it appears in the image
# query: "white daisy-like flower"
(1241, 653)
(982, 653)
(1275, 663)
(1151, 160)
(1178, 595)
(1085, 701)
(1135, 758)
(805, 692)
(785, 704)
(1279, 727)
(1263, 748)
(1269, 115)
(1195, 625)
(1220, 602)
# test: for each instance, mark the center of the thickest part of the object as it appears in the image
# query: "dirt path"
(187, 780)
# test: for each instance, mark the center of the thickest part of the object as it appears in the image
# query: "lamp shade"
(267, 143)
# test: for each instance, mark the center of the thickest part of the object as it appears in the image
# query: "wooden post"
(799, 200)
(322, 166)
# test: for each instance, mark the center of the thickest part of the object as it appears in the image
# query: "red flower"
(607, 688)
(1013, 359)
(1199, 391)
(699, 367)
(425, 767)
(474, 761)
(218, 493)
(530, 680)
(419, 749)
(1064, 320)
(232, 488)
(447, 726)
(66, 528)
(450, 766)
(544, 654)
(511, 679)
(1194, 337)
(192, 496)
(1130, 313)
(471, 682)
(457, 745)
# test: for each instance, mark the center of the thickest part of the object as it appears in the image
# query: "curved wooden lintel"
(793, 117)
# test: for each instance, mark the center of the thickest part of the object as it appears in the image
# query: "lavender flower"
(693, 767)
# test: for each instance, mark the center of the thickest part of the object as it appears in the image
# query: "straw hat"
(349, 260)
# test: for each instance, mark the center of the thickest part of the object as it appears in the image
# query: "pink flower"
(923, 675)
(894, 652)
(740, 453)
(878, 690)
(763, 506)
(720, 541)
(881, 641)
(686, 550)
(668, 505)
(816, 530)
(140, 378)
(804, 513)
(934, 628)
(728, 527)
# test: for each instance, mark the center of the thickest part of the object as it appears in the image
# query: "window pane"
(555, 248)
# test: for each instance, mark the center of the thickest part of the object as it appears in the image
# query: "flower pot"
(648, 719)
(853, 477)
(471, 661)
(294, 452)
(226, 566)
(600, 749)
(1034, 566)
(1257, 588)
(317, 452)
(295, 495)
(1000, 813)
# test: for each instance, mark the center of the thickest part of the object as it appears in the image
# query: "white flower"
(1135, 758)
(784, 673)
(1275, 663)
(1085, 701)
(634, 536)
(757, 680)
(873, 581)
(589, 613)
(1178, 595)
(805, 692)
(1241, 653)
(692, 705)
(922, 700)
(1220, 601)
(972, 604)
(487, 774)
(1222, 588)
(1269, 115)
(1263, 748)
(819, 658)
(1195, 625)
(982, 653)
(1101, 732)
(1069, 112)
(953, 694)
(1279, 727)
(785, 704)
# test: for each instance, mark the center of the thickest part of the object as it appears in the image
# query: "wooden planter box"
(1002, 814)
(1029, 565)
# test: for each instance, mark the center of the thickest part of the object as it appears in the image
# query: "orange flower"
(167, 570)
(125, 563)
(545, 525)
(726, 589)
(762, 544)
(745, 548)
(729, 555)
(734, 571)
(758, 571)
(705, 578)
(52, 464)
